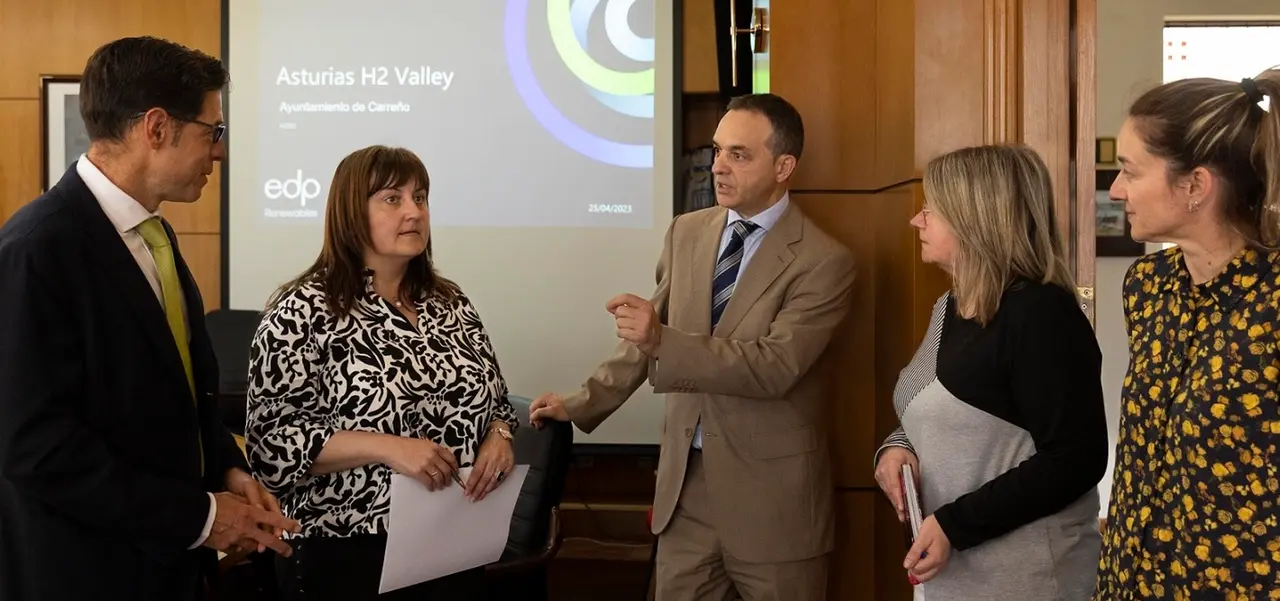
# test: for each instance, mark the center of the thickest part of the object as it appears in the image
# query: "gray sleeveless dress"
(961, 448)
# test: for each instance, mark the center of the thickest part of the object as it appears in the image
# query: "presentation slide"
(546, 127)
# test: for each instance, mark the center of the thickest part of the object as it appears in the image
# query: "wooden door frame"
(1041, 89)
(1084, 36)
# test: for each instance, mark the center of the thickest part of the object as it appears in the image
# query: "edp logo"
(294, 188)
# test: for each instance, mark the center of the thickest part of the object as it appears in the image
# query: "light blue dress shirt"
(766, 220)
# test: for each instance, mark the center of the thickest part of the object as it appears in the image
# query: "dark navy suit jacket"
(101, 490)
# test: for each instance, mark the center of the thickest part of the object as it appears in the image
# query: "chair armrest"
(554, 538)
(554, 541)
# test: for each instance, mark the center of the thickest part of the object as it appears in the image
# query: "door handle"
(759, 28)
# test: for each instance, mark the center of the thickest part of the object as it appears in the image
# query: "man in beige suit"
(748, 295)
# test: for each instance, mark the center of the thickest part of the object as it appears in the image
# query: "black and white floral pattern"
(313, 373)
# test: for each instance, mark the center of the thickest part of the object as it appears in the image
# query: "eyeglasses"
(218, 130)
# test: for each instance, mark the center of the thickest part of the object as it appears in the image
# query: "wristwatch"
(502, 430)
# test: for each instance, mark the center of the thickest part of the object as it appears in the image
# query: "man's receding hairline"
(770, 142)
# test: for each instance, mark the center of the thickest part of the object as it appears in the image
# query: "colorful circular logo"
(628, 93)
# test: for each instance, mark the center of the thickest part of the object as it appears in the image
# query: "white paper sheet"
(434, 534)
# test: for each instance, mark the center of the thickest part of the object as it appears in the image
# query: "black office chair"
(535, 537)
(231, 332)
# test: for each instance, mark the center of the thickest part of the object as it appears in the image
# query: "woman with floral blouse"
(368, 364)
(1194, 510)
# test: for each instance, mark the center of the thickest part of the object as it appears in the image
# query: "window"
(1230, 51)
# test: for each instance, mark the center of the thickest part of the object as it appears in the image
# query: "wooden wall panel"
(701, 70)
(19, 154)
(851, 357)
(890, 549)
(823, 60)
(950, 87)
(202, 252)
(1046, 96)
(861, 571)
(66, 32)
(894, 88)
(852, 571)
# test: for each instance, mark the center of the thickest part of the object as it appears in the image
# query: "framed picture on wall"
(1111, 224)
(62, 134)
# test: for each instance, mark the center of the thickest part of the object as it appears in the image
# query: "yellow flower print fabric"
(1193, 513)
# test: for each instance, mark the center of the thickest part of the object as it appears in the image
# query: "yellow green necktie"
(153, 233)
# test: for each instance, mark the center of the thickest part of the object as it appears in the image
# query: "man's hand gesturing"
(637, 322)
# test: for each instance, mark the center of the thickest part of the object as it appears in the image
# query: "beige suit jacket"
(750, 381)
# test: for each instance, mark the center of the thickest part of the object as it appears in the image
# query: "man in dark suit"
(116, 478)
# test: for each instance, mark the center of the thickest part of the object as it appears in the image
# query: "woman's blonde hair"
(998, 199)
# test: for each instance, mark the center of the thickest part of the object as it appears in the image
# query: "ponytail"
(1266, 152)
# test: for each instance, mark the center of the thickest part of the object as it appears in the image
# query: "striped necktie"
(726, 277)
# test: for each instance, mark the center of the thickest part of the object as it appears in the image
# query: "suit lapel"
(706, 251)
(123, 271)
(769, 261)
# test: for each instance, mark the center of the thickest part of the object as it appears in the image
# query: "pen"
(458, 480)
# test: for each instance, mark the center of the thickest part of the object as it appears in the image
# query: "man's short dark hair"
(788, 127)
(134, 75)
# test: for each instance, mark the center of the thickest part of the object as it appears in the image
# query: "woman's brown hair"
(1220, 126)
(340, 268)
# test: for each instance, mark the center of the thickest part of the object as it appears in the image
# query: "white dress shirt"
(126, 214)
(765, 220)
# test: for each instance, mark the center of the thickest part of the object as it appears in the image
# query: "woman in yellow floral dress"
(1195, 509)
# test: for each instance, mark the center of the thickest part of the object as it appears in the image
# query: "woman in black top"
(1001, 407)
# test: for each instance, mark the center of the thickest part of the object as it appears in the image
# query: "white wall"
(1130, 35)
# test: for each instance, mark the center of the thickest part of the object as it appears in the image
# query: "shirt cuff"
(208, 522)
